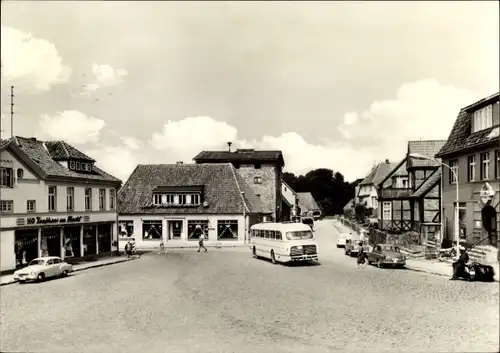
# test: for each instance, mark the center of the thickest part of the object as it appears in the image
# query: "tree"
(329, 189)
(360, 212)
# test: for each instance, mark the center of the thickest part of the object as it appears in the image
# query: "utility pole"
(11, 111)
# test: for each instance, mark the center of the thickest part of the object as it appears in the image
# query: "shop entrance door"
(174, 230)
(26, 246)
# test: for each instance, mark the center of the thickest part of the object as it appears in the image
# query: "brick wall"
(268, 189)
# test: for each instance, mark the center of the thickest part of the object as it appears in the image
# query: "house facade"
(169, 202)
(472, 151)
(290, 202)
(366, 192)
(308, 205)
(262, 170)
(409, 196)
(54, 201)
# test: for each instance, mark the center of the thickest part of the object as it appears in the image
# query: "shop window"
(227, 230)
(52, 198)
(31, 206)
(7, 177)
(126, 228)
(6, 206)
(104, 237)
(71, 241)
(89, 240)
(26, 246)
(88, 199)
(152, 230)
(51, 242)
(197, 228)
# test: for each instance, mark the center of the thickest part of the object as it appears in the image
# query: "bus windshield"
(300, 234)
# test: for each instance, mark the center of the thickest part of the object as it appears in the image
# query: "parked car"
(342, 239)
(43, 267)
(352, 247)
(386, 255)
(309, 221)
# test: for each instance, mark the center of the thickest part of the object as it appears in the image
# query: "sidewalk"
(440, 268)
(9, 279)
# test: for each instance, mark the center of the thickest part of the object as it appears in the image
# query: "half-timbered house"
(409, 196)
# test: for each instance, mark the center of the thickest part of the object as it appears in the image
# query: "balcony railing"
(395, 193)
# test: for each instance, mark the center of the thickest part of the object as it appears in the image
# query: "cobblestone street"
(226, 301)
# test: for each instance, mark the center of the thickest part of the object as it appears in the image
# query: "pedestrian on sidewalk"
(361, 256)
(162, 248)
(201, 238)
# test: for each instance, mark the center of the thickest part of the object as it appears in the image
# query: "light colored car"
(42, 268)
(352, 247)
(386, 255)
(342, 239)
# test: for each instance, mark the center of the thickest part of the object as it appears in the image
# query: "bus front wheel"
(273, 259)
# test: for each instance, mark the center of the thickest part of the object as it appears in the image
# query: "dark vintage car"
(383, 255)
(352, 247)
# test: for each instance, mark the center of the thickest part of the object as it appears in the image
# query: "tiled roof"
(460, 136)
(239, 156)
(307, 201)
(378, 173)
(428, 184)
(398, 169)
(427, 148)
(60, 150)
(39, 155)
(222, 189)
(4, 143)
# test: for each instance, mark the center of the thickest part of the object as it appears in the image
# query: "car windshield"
(299, 234)
(390, 248)
(37, 262)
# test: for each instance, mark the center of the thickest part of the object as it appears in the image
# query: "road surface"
(226, 301)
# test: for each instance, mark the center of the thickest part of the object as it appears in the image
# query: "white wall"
(8, 256)
(212, 233)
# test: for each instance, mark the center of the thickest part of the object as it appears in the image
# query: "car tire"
(41, 277)
(64, 273)
(379, 263)
(346, 253)
(273, 258)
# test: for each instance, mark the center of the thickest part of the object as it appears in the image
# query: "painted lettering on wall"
(52, 220)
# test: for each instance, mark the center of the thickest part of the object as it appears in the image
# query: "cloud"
(131, 142)
(105, 76)
(118, 161)
(31, 63)
(71, 126)
(424, 109)
(186, 138)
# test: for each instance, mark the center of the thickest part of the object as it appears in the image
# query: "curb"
(415, 269)
(82, 269)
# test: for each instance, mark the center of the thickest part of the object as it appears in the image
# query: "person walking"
(361, 256)
(162, 248)
(201, 238)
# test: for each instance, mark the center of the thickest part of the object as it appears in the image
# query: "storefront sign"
(486, 193)
(52, 220)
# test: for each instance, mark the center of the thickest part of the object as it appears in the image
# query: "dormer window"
(183, 199)
(77, 165)
(482, 119)
(72, 165)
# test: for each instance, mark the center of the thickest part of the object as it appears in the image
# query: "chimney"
(229, 143)
(179, 162)
(386, 161)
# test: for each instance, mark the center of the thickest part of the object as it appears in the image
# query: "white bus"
(283, 242)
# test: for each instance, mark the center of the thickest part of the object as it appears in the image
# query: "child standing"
(361, 256)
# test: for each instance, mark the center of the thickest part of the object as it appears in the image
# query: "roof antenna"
(229, 143)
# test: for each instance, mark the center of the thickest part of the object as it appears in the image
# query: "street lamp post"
(457, 196)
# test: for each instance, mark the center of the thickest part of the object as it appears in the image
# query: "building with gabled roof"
(54, 201)
(262, 170)
(175, 202)
(308, 205)
(473, 152)
(366, 189)
(409, 196)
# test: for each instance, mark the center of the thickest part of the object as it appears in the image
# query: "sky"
(338, 85)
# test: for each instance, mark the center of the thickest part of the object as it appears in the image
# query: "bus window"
(278, 235)
(271, 234)
(266, 233)
(301, 234)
